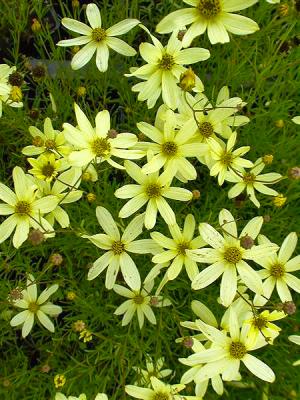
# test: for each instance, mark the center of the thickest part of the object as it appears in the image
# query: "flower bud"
(279, 200)
(187, 80)
(56, 259)
(279, 123)
(35, 26)
(81, 91)
(268, 159)
(247, 242)
(196, 194)
(294, 173)
(35, 236)
(91, 197)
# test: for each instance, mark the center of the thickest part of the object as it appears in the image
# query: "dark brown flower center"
(206, 129)
(182, 247)
(22, 208)
(153, 191)
(169, 149)
(118, 247)
(209, 8)
(260, 322)
(33, 307)
(249, 178)
(277, 270)
(161, 396)
(166, 62)
(50, 144)
(98, 34)
(47, 170)
(233, 255)
(226, 158)
(237, 350)
(138, 299)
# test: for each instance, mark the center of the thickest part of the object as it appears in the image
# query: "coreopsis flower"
(159, 391)
(171, 148)
(151, 189)
(192, 374)
(152, 369)
(65, 190)
(24, 208)
(215, 16)
(6, 88)
(296, 120)
(97, 39)
(227, 352)
(163, 70)
(139, 302)
(35, 307)
(225, 158)
(295, 339)
(277, 270)
(46, 167)
(49, 141)
(228, 258)
(117, 247)
(261, 324)
(59, 380)
(176, 248)
(251, 181)
(95, 143)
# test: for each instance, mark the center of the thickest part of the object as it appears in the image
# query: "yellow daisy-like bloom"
(160, 391)
(251, 181)
(151, 189)
(24, 208)
(215, 16)
(171, 148)
(65, 190)
(35, 307)
(277, 270)
(176, 248)
(117, 248)
(49, 141)
(227, 352)
(227, 256)
(97, 39)
(95, 143)
(59, 380)
(152, 369)
(6, 88)
(163, 70)
(46, 167)
(262, 325)
(82, 396)
(139, 302)
(225, 158)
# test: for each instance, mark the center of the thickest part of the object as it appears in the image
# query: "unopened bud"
(35, 237)
(294, 173)
(112, 133)
(267, 218)
(247, 242)
(86, 176)
(35, 26)
(196, 194)
(284, 10)
(75, 49)
(279, 200)
(75, 3)
(288, 307)
(81, 91)
(56, 259)
(188, 342)
(15, 294)
(187, 80)
(71, 296)
(34, 114)
(16, 94)
(268, 159)
(91, 197)
(279, 123)
(181, 34)
(78, 326)
(154, 301)
(45, 368)
(15, 79)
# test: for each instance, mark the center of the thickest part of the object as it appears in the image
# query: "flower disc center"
(22, 208)
(50, 144)
(169, 149)
(47, 170)
(33, 307)
(249, 178)
(98, 34)
(161, 396)
(101, 147)
(233, 255)
(181, 247)
(206, 129)
(277, 270)
(237, 350)
(118, 247)
(138, 299)
(166, 62)
(153, 191)
(209, 8)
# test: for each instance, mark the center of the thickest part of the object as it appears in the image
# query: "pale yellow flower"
(215, 16)
(163, 70)
(24, 208)
(160, 390)
(151, 189)
(97, 39)
(35, 307)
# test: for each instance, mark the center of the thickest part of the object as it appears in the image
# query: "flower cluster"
(190, 131)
